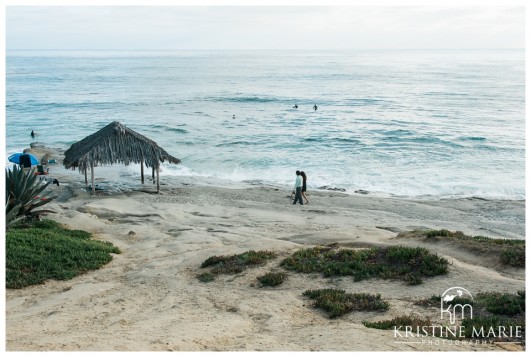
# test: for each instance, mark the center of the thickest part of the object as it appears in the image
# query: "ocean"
(414, 123)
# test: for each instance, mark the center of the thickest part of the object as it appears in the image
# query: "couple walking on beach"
(300, 188)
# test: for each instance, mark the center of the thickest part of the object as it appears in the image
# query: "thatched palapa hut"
(116, 143)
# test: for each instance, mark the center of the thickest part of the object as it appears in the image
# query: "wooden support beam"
(92, 178)
(158, 184)
(142, 169)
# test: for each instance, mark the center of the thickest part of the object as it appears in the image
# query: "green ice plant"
(23, 194)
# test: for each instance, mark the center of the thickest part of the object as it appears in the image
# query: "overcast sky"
(259, 27)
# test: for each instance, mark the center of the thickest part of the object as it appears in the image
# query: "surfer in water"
(314, 107)
(32, 134)
(295, 106)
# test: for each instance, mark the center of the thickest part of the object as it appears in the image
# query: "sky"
(264, 27)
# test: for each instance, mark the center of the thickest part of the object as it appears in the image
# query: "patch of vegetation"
(338, 302)
(490, 327)
(235, 264)
(511, 252)
(206, 277)
(406, 263)
(499, 311)
(502, 303)
(495, 312)
(492, 302)
(43, 250)
(272, 278)
(405, 320)
(435, 300)
(514, 256)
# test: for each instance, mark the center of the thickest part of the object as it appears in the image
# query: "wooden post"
(158, 185)
(86, 180)
(142, 169)
(153, 173)
(92, 178)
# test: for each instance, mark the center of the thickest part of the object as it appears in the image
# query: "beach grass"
(42, 250)
(406, 263)
(272, 278)
(337, 302)
(233, 264)
(510, 252)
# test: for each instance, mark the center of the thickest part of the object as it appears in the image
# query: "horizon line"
(259, 49)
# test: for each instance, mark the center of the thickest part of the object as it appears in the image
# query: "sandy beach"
(149, 298)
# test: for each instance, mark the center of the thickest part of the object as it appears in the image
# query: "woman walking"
(303, 191)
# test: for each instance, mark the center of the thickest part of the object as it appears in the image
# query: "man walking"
(298, 188)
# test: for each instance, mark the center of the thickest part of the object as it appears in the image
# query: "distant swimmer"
(32, 134)
(295, 106)
(233, 116)
(314, 107)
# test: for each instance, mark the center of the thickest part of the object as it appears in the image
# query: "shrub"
(409, 264)
(338, 302)
(272, 279)
(503, 304)
(510, 251)
(206, 277)
(235, 264)
(443, 233)
(514, 256)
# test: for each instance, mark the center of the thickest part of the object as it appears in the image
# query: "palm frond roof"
(115, 143)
